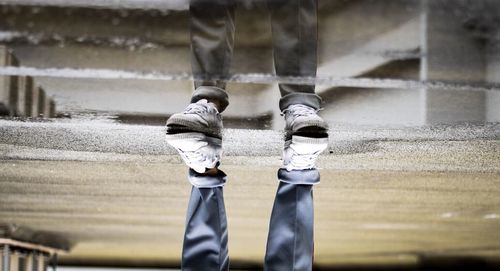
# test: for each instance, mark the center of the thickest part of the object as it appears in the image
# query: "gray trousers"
(294, 28)
(290, 239)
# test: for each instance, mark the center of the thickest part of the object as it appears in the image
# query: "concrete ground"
(392, 197)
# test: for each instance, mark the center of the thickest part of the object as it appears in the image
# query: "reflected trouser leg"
(205, 237)
(295, 37)
(290, 243)
(212, 41)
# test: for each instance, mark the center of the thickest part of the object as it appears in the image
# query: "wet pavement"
(393, 196)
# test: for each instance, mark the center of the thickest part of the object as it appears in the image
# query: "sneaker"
(198, 150)
(304, 121)
(301, 152)
(202, 117)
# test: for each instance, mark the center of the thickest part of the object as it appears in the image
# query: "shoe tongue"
(298, 109)
(205, 103)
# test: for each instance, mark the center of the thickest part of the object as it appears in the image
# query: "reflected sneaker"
(303, 120)
(301, 152)
(202, 117)
(198, 150)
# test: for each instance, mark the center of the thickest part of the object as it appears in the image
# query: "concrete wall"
(452, 54)
(350, 31)
(377, 106)
(493, 76)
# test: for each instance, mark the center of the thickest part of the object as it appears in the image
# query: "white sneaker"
(198, 150)
(304, 119)
(201, 116)
(301, 152)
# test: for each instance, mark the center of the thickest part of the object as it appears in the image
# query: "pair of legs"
(196, 133)
(294, 29)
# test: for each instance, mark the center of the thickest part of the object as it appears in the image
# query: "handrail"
(31, 246)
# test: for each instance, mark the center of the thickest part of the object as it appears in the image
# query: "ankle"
(216, 103)
(211, 172)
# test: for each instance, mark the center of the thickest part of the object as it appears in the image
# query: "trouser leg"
(212, 39)
(205, 238)
(290, 243)
(295, 37)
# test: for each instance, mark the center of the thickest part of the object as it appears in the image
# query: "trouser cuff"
(305, 176)
(204, 181)
(309, 99)
(210, 92)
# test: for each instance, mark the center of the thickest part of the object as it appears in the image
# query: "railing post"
(34, 261)
(6, 258)
(54, 262)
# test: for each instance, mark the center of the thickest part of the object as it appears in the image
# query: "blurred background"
(411, 89)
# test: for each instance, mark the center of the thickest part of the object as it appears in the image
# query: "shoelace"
(300, 110)
(195, 109)
(194, 157)
(304, 160)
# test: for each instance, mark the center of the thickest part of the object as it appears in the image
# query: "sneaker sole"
(196, 135)
(177, 125)
(316, 129)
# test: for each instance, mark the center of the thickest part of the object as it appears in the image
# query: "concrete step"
(400, 43)
(354, 147)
